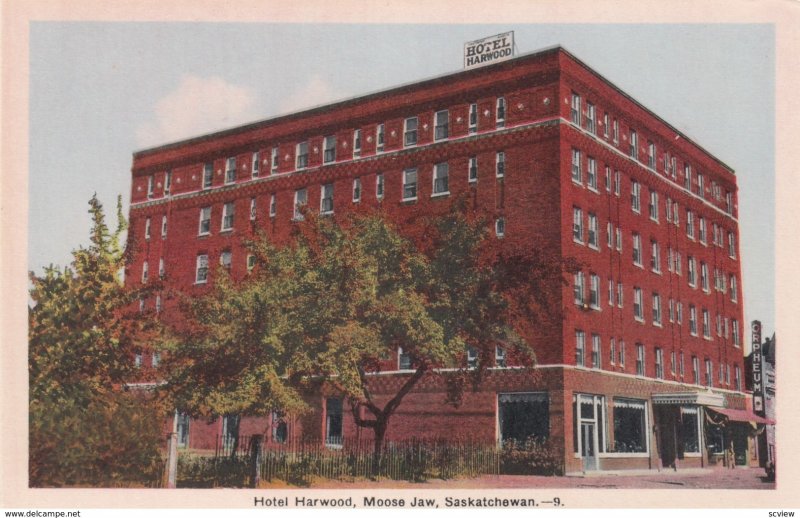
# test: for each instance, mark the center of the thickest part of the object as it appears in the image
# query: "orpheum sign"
(758, 372)
(489, 50)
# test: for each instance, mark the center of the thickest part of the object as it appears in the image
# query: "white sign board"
(486, 51)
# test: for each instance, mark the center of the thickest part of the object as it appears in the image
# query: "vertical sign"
(758, 383)
(486, 51)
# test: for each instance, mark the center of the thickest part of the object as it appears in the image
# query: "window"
(636, 190)
(356, 190)
(201, 269)
(163, 226)
(687, 177)
(651, 155)
(605, 124)
(523, 416)
(729, 202)
(577, 225)
(167, 182)
(225, 259)
(679, 312)
(692, 320)
(274, 161)
(473, 118)
(161, 270)
(147, 228)
(252, 209)
(410, 184)
(500, 227)
(672, 363)
(575, 109)
(656, 309)
(610, 235)
(410, 132)
(671, 309)
(617, 183)
(731, 245)
(499, 356)
(379, 141)
(696, 370)
(735, 332)
(472, 357)
(577, 176)
(619, 294)
(356, 143)
(674, 168)
(608, 179)
(653, 206)
(701, 191)
(692, 272)
(333, 422)
(634, 145)
(158, 303)
(227, 217)
(273, 206)
(655, 257)
(591, 174)
(612, 351)
(150, 186)
(256, 164)
(403, 360)
(208, 175)
(610, 292)
(706, 324)
(734, 289)
(637, 249)
(440, 177)
(594, 234)
(326, 199)
(622, 353)
(690, 429)
(145, 271)
(280, 429)
(669, 209)
(589, 413)
(638, 310)
(302, 155)
(595, 351)
(639, 360)
(737, 378)
(702, 230)
(442, 121)
(251, 262)
(205, 221)
(615, 131)
(618, 233)
(676, 218)
(300, 200)
(473, 169)
(709, 373)
(630, 426)
(230, 170)
(659, 363)
(580, 342)
(690, 224)
(681, 365)
(500, 167)
(579, 288)
(594, 291)
(379, 185)
(678, 263)
(704, 276)
(329, 150)
(501, 112)
(591, 125)
(182, 427)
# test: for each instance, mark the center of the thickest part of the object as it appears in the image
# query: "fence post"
(171, 470)
(255, 459)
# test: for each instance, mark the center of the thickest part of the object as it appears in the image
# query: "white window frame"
(380, 141)
(255, 164)
(575, 109)
(299, 204)
(640, 360)
(580, 348)
(274, 159)
(577, 225)
(500, 112)
(591, 122)
(145, 272)
(500, 227)
(593, 238)
(204, 217)
(500, 164)
(228, 213)
(230, 170)
(596, 359)
(577, 174)
(410, 185)
(147, 232)
(441, 130)
(356, 190)
(657, 317)
(252, 209)
(379, 186)
(273, 205)
(653, 205)
(472, 169)
(473, 118)
(636, 197)
(329, 149)
(326, 189)
(440, 171)
(408, 133)
(655, 257)
(164, 226)
(591, 174)
(594, 292)
(301, 164)
(208, 175)
(637, 250)
(201, 267)
(356, 143)
(638, 305)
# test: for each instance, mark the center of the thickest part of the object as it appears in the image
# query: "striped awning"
(741, 416)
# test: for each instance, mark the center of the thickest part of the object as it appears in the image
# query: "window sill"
(658, 325)
(200, 283)
(577, 242)
(594, 247)
(440, 194)
(407, 200)
(225, 230)
(640, 320)
(473, 181)
(593, 189)
(577, 182)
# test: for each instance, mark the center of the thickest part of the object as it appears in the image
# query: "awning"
(705, 398)
(742, 416)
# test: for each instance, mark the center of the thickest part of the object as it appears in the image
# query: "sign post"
(491, 49)
(758, 372)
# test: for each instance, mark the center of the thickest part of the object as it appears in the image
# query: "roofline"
(418, 83)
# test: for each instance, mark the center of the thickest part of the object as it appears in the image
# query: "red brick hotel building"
(648, 354)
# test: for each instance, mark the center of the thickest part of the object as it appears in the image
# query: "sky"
(100, 91)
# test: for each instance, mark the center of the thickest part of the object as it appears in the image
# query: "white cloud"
(315, 92)
(198, 105)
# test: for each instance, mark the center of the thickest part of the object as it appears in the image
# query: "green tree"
(341, 298)
(82, 337)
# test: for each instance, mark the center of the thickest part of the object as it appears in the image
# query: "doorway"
(588, 451)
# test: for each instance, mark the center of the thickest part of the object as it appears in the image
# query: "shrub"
(530, 457)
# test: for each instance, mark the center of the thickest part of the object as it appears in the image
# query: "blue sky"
(101, 90)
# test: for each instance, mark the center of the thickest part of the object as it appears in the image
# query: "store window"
(523, 416)
(630, 426)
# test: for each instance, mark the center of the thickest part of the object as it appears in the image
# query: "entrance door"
(588, 451)
(666, 423)
(740, 445)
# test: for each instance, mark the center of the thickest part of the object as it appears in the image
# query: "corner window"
(440, 179)
(442, 122)
(523, 416)
(731, 245)
(577, 225)
(329, 154)
(410, 132)
(409, 184)
(579, 288)
(326, 199)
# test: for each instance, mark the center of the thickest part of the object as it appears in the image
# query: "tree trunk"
(377, 455)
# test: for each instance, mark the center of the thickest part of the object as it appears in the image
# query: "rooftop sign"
(486, 51)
